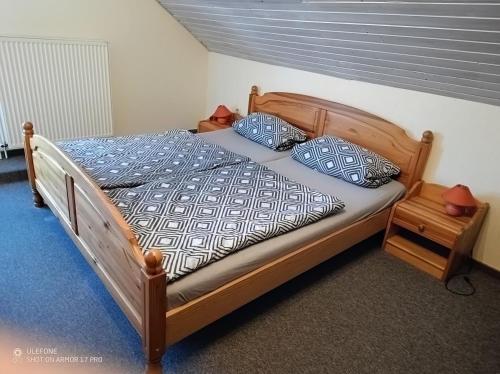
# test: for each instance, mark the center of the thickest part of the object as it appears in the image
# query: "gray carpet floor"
(362, 312)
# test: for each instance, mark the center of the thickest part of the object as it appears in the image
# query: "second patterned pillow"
(342, 159)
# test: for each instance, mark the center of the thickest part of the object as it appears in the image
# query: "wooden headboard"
(319, 117)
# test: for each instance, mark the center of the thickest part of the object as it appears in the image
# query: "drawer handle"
(421, 227)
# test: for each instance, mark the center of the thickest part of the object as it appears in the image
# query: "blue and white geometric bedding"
(129, 161)
(198, 218)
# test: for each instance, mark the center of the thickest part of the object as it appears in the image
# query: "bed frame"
(138, 283)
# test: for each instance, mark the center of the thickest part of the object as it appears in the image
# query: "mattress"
(360, 203)
(232, 141)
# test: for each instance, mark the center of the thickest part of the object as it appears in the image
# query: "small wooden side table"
(421, 233)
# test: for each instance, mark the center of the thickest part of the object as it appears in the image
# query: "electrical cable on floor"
(466, 279)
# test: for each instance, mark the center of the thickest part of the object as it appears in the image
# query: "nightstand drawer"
(424, 226)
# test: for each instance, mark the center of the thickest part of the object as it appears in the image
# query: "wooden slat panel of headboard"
(377, 135)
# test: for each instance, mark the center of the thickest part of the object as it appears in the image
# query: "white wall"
(467, 134)
(158, 70)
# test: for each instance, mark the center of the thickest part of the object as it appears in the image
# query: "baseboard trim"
(15, 152)
(487, 269)
(17, 176)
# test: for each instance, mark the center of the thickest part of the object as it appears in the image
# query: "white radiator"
(62, 86)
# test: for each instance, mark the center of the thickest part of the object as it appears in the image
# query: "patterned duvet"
(199, 217)
(130, 161)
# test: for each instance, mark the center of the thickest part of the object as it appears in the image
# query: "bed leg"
(155, 308)
(37, 198)
(28, 134)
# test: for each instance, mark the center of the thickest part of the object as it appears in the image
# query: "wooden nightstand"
(207, 125)
(422, 234)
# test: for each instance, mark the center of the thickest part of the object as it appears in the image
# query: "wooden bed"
(138, 283)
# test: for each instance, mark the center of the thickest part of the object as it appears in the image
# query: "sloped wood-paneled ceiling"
(445, 47)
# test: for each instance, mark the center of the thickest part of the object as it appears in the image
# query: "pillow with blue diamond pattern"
(342, 159)
(269, 130)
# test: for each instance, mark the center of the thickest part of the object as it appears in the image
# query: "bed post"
(28, 134)
(155, 308)
(423, 156)
(254, 92)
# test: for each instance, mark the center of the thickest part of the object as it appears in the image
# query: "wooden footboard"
(98, 229)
